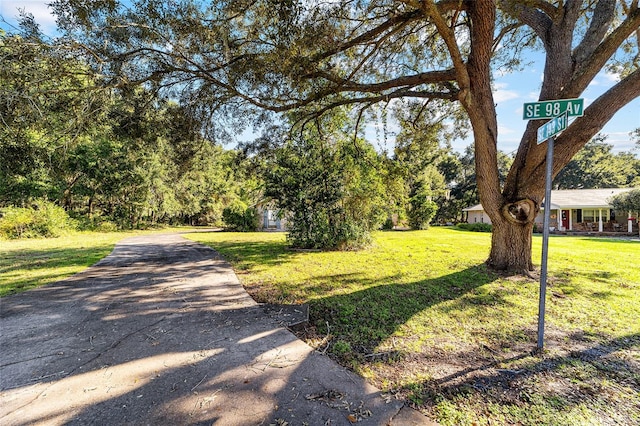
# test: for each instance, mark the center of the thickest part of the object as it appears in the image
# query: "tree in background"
(423, 157)
(636, 135)
(425, 187)
(111, 157)
(46, 110)
(627, 201)
(596, 166)
(459, 171)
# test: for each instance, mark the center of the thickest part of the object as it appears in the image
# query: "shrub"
(95, 224)
(43, 219)
(316, 231)
(342, 347)
(106, 226)
(238, 217)
(332, 192)
(388, 224)
(421, 212)
(475, 227)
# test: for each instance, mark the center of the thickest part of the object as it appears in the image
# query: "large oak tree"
(236, 58)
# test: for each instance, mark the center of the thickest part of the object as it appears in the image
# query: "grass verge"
(420, 316)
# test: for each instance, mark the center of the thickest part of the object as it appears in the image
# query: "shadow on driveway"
(162, 332)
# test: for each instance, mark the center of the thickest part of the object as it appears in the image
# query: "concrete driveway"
(161, 332)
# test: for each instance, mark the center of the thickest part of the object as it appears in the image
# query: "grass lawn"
(420, 316)
(30, 263)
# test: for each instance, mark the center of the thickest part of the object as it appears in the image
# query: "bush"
(422, 210)
(95, 224)
(475, 227)
(315, 230)
(353, 236)
(238, 217)
(43, 219)
(106, 226)
(388, 224)
(331, 188)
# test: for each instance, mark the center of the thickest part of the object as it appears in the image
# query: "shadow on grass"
(581, 282)
(249, 254)
(361, 320)
(369, 316)
(598, 374)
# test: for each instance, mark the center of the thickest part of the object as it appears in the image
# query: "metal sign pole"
(559, 111)
(545, 243)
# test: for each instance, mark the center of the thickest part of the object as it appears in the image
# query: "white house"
(576, 210)
(269, 218)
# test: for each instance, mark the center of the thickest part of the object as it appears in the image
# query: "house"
(586, 210)
(269, 217)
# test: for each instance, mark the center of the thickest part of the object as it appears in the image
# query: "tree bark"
(511, 246)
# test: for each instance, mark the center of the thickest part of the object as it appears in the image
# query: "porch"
(589, 220)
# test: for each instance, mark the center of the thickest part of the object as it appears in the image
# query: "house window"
(593, 215)
(588, 215)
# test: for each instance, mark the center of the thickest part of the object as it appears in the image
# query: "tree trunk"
(511, 246)
(512, 215)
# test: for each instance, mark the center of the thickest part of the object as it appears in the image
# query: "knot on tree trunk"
(521, 211)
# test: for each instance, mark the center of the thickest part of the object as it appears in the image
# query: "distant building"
(269, 217)
(587, 210)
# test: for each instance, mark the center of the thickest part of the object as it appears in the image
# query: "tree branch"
(449, 38)
(535, 14)
(585, 73)
(430, 77)
(370, 35)
(595, 117)
(602, 18)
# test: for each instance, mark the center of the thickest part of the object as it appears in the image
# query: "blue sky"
(511, 90)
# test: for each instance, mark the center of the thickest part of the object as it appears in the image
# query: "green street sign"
(550, 109)
(553, 127)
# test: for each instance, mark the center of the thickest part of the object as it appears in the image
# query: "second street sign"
(552, 127)
(550, 109)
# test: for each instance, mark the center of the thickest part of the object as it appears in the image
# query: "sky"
(511, 91)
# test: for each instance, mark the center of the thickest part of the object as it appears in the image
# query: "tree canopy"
(627, 201)
(118, 155)
(596, 166)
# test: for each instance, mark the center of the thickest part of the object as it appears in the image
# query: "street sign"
(550, 109)
(552, 127)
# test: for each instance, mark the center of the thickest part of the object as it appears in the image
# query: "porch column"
(629, 223)
(559, 220)
(600, 220)
(570, 220)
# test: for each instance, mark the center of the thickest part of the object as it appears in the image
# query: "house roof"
(584, 198)
(477, 207)
(576, 198)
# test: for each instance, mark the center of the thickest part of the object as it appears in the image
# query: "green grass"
(30, 263)
(419, 315)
